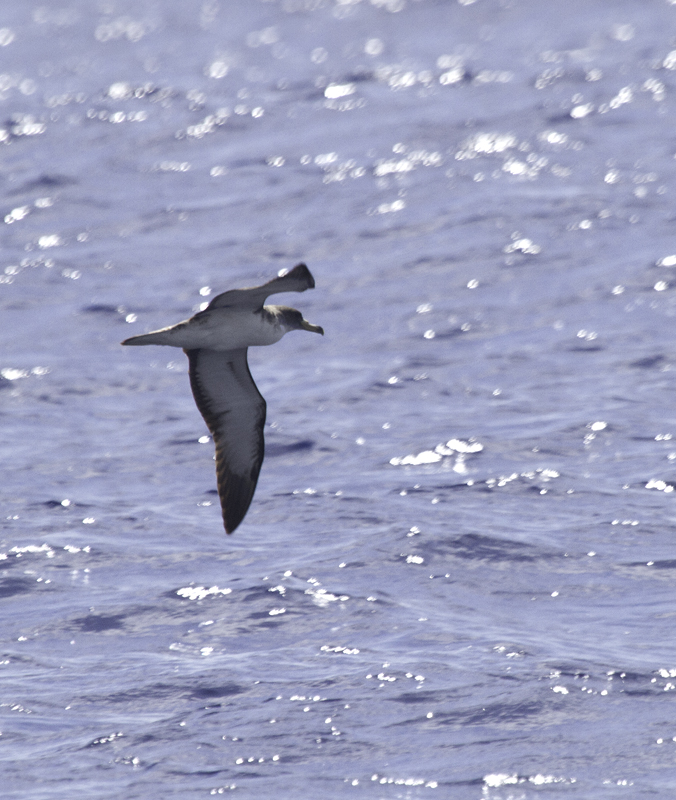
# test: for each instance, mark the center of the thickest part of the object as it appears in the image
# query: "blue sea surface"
(457, 578)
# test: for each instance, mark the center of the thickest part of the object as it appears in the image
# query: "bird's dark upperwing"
(297, 280)
(234, 411)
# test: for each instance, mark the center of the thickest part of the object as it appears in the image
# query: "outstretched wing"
(298, 280)
(234, 411)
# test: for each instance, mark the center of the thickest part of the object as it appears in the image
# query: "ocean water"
(457, 577)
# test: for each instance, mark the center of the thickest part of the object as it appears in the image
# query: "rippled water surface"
(456, 579)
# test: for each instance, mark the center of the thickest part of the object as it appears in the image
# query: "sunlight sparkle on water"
(51, 240)
(200, 592)
(335, 90)
(584, 110)
(405, 781)
(11, 374)
(486, 144)
(521, 245)
(660, 485)
(598, 426)
(452, 447)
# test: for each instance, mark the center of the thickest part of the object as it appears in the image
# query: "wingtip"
(235, 495)
(231, 518)
(301, 271)
(230, 525)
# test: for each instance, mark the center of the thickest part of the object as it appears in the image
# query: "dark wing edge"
(234, 411)
(296, 280)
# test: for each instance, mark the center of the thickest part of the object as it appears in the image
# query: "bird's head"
(293, 320)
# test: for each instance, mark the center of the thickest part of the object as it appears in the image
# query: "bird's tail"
(154, 337)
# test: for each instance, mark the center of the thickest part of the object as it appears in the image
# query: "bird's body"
(220, 329)
(216, 341)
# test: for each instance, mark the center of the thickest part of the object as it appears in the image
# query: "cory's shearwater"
(216, 341)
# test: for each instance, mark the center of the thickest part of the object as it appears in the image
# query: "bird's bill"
(308, 326)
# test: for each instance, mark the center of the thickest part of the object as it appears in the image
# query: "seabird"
(216, 341)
